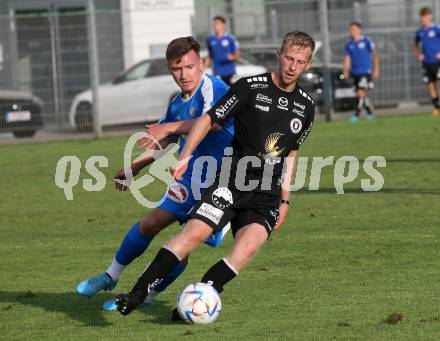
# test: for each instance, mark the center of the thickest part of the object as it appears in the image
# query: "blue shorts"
(178, 201)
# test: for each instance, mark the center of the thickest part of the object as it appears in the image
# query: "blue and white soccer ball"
(199, 303)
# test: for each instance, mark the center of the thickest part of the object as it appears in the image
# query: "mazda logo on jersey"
(295, 125)
(282, 103)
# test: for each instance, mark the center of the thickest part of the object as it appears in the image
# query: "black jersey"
(269, 123)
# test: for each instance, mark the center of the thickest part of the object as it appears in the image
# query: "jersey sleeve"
(417, 38)
(231, 104)
(371, 46)
(347, 51)
(306, 129)
(235, 44)
(212, 91)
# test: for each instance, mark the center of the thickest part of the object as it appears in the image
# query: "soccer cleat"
(112, 306)
(354, 118)
(370, 117)
(436, 112)
(91, 286)
(126, 303)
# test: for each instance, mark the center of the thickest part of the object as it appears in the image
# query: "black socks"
(219, 274)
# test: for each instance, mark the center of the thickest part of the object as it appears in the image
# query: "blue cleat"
(354, 118)
(370, 117)
(149, 300)
(91, 286)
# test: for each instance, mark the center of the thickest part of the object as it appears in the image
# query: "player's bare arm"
(289, 179)
(346, 67)
(199, 130)
(376, 65)
(120, 179)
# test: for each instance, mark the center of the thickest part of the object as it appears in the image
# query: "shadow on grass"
(85, 310)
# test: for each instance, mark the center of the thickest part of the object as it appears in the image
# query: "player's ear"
(278, 54)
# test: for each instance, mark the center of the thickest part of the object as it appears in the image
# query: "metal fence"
(56, 52)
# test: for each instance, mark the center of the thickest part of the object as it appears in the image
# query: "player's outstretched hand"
(282, 215)
(123, 179)
(179, 168)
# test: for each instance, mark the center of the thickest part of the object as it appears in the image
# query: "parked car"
(20, 113)
(312, 80)
(139, 94)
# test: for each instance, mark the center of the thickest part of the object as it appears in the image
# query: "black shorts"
(431, 72)
(363, 82)
(220, 205)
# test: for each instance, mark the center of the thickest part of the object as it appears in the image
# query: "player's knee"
(250, 249)
(150, 226)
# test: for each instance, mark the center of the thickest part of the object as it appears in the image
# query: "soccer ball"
(199, 303)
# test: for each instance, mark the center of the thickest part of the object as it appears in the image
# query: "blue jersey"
(219, 49)
(360, 52)
(430, 41)
(208, 93)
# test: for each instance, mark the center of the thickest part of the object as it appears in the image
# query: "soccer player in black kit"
(272, 117)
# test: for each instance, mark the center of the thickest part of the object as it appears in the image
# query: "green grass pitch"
(337, 270)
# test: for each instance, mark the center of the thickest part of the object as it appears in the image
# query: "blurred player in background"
(199, 92)
(427, 47)
(223, 50)
(361, 62)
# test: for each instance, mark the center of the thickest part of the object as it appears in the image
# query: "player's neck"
(429, 25)
(356, 38)
(278, 81)
(220, 34)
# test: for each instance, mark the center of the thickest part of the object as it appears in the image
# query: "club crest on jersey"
(192, 111)
(283, 103)
(222, 197)
(225, 42)
(177, 192)
(295, 125)
(431, 34)
(361, 45)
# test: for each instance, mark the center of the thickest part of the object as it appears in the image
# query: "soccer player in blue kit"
(199, 92)
(361, 62)
(224, 50)
(427, 47)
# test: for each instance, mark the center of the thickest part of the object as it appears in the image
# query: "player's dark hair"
(219, 17)
(299, 39)
(179, 47)
(356, 23)
(424, 11)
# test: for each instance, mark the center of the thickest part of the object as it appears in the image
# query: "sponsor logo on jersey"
(283, 103)
(262, 107)
(299, 105)
(264, 98)
(298, 112)
(222, 197)
(259, 86)
(224, 109)
(177, 192)
(210, 212)
(295, 125)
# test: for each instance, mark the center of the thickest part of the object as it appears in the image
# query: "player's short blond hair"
(299, 39)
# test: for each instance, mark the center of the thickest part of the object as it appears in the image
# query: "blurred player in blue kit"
(361, 63)
(199, 92)
(427, 47)
(223, 50)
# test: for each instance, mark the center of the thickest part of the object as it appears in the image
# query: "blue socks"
(133, 245)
